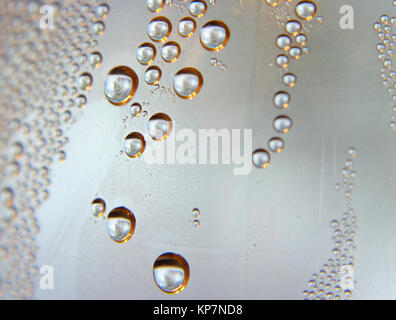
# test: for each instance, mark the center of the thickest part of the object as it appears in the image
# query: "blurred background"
(314, 81)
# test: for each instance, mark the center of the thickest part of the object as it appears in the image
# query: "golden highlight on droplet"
(186, 27)
(134, 145)
(159, 126)
(187, 83)
(174, 58)
(143, 58)
(121, 224)
(98, 207)
(154, 7)
(261, 158)
(201, 13)
(272, 3)
(306, 10)
(213, 41)
(113, 85)
(159, 29)
(171, 273)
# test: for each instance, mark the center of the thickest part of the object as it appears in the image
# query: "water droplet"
(301, 39)
(159, 126)
(120, 85)
(170, 52)
(197, 8)
(196, 224)
(186, 27)
(84, 81)
(276, 145)
(120, 224)
(281, 99)
(98, 208)
(352, 152)
(159, 29)
(261, 158)
(136, 109)
(187, 83)
(145, 53)
(306, 10)
(282, 124)
(81, 101)
(155, 5)
(196, 213)
(152, 75)
(171, 273)
(289, 79)
(282, 61)
(98, 28)
(214, 35)
(103, 10)
(295, 52)
(283, 42)
(95, 59)
(134, 145)
(272, 3)
(293, 27)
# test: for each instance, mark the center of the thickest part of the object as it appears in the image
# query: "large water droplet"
(159, 29)
(187, 83)
(171, 273)
(145, 53)
(120, 85)
(214, 35)
(155, 5)
(306, 10)
(159, 126)
(186, 27)
(120, 224)
(170, 51)
(197, 8)
(134, 145)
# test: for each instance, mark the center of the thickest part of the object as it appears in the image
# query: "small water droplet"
(134, 145)
(261, 158)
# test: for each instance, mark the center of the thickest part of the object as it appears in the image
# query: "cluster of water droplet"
(218, 63)
(170, 271)
(120, 87)
(44, 78)
(122, 82)
(196, 214)
(386, 27)
(292, 45)
(335, 278)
